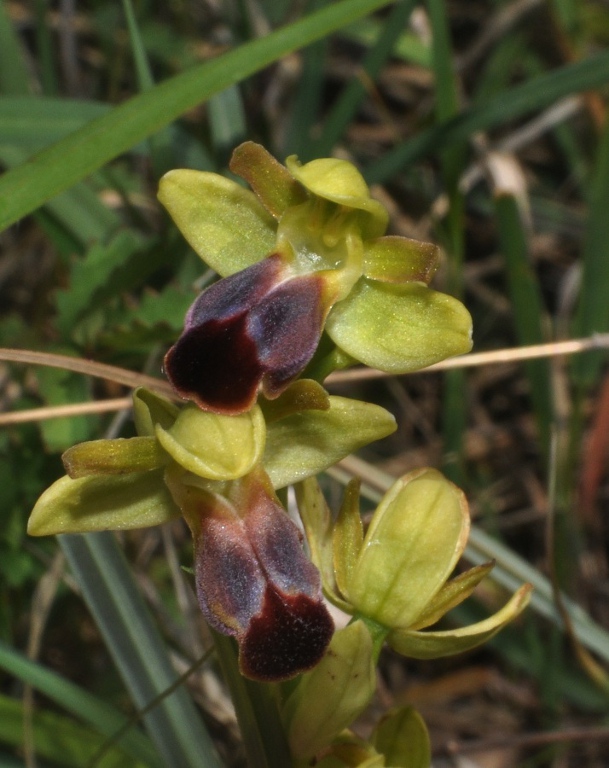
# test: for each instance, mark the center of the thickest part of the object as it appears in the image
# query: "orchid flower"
(304, 251)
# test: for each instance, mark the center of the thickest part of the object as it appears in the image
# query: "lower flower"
(253, 579)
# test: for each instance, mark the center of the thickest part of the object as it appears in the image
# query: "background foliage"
(482, 126)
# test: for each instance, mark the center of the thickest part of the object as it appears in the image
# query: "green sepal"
(273, 184)
(399, 328)
(453, 593)
(341, 183)
(414, 540)
(347, 536)
(329, 697)
(214, 446)
(114, 457)
(433, 645)
(223, 222)
(99, 503)
(306, 443)
(150, 409)
(400, 260)
(402, 738)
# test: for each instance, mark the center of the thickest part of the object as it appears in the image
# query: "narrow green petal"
(413, 543)
(402, 737)
(317, 523)
(399, 328)
(214, 446)
(329, 697)
(99, 503)
(273, 184)
(301, 395)
(150, 409)
(114, 457)
(224, 223)
(347, 536)
(452, 594)
(306, 443)
(400, 260)
(432, 645)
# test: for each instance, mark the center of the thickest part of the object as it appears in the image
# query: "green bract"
(397, 574)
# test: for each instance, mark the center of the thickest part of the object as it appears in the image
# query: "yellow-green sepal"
(103, 502)
(399, 328)
(214, 446)
(306, 443)
(329, 697)
(223, 222)
(402, 738)
(412, 545)
(432, 645)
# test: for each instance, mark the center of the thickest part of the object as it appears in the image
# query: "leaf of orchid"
(432, 645)
(301, 395)
(223, 222)
(306, 443)
(400, 260)
(150, 409)
(99, 503)
(340, 182)
(273, 184)
(317, 524)
(399, 328)
(452, 594)
(413, 543)
(330, 696)
(347, 536)
(402, 737)
(214, 446)
(114, 457)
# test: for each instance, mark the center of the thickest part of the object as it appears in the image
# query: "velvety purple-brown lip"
(252, 329)
(254, 582)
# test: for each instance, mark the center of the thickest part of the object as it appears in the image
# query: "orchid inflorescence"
(309, 283)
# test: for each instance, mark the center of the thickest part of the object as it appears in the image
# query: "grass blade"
(137, 649)
(56, 168)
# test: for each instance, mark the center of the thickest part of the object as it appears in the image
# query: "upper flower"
(304, 251)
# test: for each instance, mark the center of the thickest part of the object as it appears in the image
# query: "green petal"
(223, 222)
(399, 328)
(301, 395)
(347, 536)
(414, 541)
(114, 457)
(330, 696)
(150, 409)
(306, 443)
(273, 184)
(400, 260)
(453, 593)
(99, 503)
(402, 737)
(214, 446)
(317, 523)
(432, 645)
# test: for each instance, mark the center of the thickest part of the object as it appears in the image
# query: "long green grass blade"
(13, 72)
(531, 96)
(101, 716)
(137, 649)
(56, 168)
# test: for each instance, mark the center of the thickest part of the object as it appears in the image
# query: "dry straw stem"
(133, 379)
